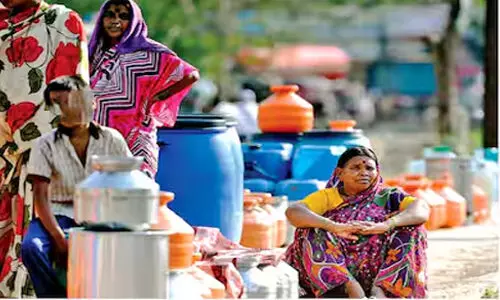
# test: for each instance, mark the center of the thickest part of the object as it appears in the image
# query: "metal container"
(463, 178)
(117, 192)
(119, 264)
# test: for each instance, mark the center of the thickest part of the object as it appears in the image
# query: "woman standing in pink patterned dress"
(38, 42)
(138, 83)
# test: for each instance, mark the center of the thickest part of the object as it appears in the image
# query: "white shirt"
(54, 157)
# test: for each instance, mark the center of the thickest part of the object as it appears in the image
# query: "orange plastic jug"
(181, 239)
(342, 125)
(264, 200)
(456, 205)
(258, 227)
(437, 201)
(480, 204)
(416, 188)
(285, 111)
(267, 205)
(277, 203)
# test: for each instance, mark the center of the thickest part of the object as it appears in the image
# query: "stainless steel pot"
(118, 264)
(117, 192)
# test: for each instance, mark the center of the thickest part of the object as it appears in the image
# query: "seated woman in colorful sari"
(139, 83)
(359, 237)
(59, 161)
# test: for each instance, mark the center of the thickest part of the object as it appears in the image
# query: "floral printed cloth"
(36, 46)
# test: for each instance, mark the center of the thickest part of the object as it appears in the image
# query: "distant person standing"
(38, 42)
(139, 83)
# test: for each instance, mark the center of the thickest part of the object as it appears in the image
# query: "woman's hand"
(346, 231)
(373, 228)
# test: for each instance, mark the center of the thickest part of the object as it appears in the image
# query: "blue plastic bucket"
(202, 163)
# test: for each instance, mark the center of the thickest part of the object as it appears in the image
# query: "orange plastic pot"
(182, 234)
(456, 205)
(285, 111)
(416, 188)
(342, 125)
(480, 204)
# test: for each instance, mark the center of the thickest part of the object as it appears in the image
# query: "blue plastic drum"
(202, 163)
(260, 185)
(267, 160)
(349, 138)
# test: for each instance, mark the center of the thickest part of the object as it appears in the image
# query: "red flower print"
(18, 114)
(64, 62)
(24, 15)
(20, 215)
(7, 266)
(74, 25)
(24, 49)
(3, 24)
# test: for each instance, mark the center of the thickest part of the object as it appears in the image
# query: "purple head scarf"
(135, 38)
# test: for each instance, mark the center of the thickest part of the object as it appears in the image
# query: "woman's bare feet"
(354, 290)
(378, 293)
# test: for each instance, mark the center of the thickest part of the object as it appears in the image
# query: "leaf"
(2, 66)
(11, 281)
(28, 289)
(55, 121)
(50, 17)
(35, 78)
(12, 147)
(4, 102)
(30, 132)
(18, 250)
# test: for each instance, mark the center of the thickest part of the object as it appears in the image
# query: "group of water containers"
(204, 162)
(468, 185)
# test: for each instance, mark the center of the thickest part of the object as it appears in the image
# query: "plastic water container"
(486, 176)
(260, 185)
(267, 160)
(289, 138)
(341, 133)
(315, 161)
(202, 163)
(438, 162)
(296, 189)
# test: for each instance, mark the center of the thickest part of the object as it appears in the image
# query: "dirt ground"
(463, 262)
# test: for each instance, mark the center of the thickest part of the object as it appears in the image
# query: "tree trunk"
(446, 74)
(490, 135)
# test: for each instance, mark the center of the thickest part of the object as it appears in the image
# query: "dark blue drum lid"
(201, 121)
